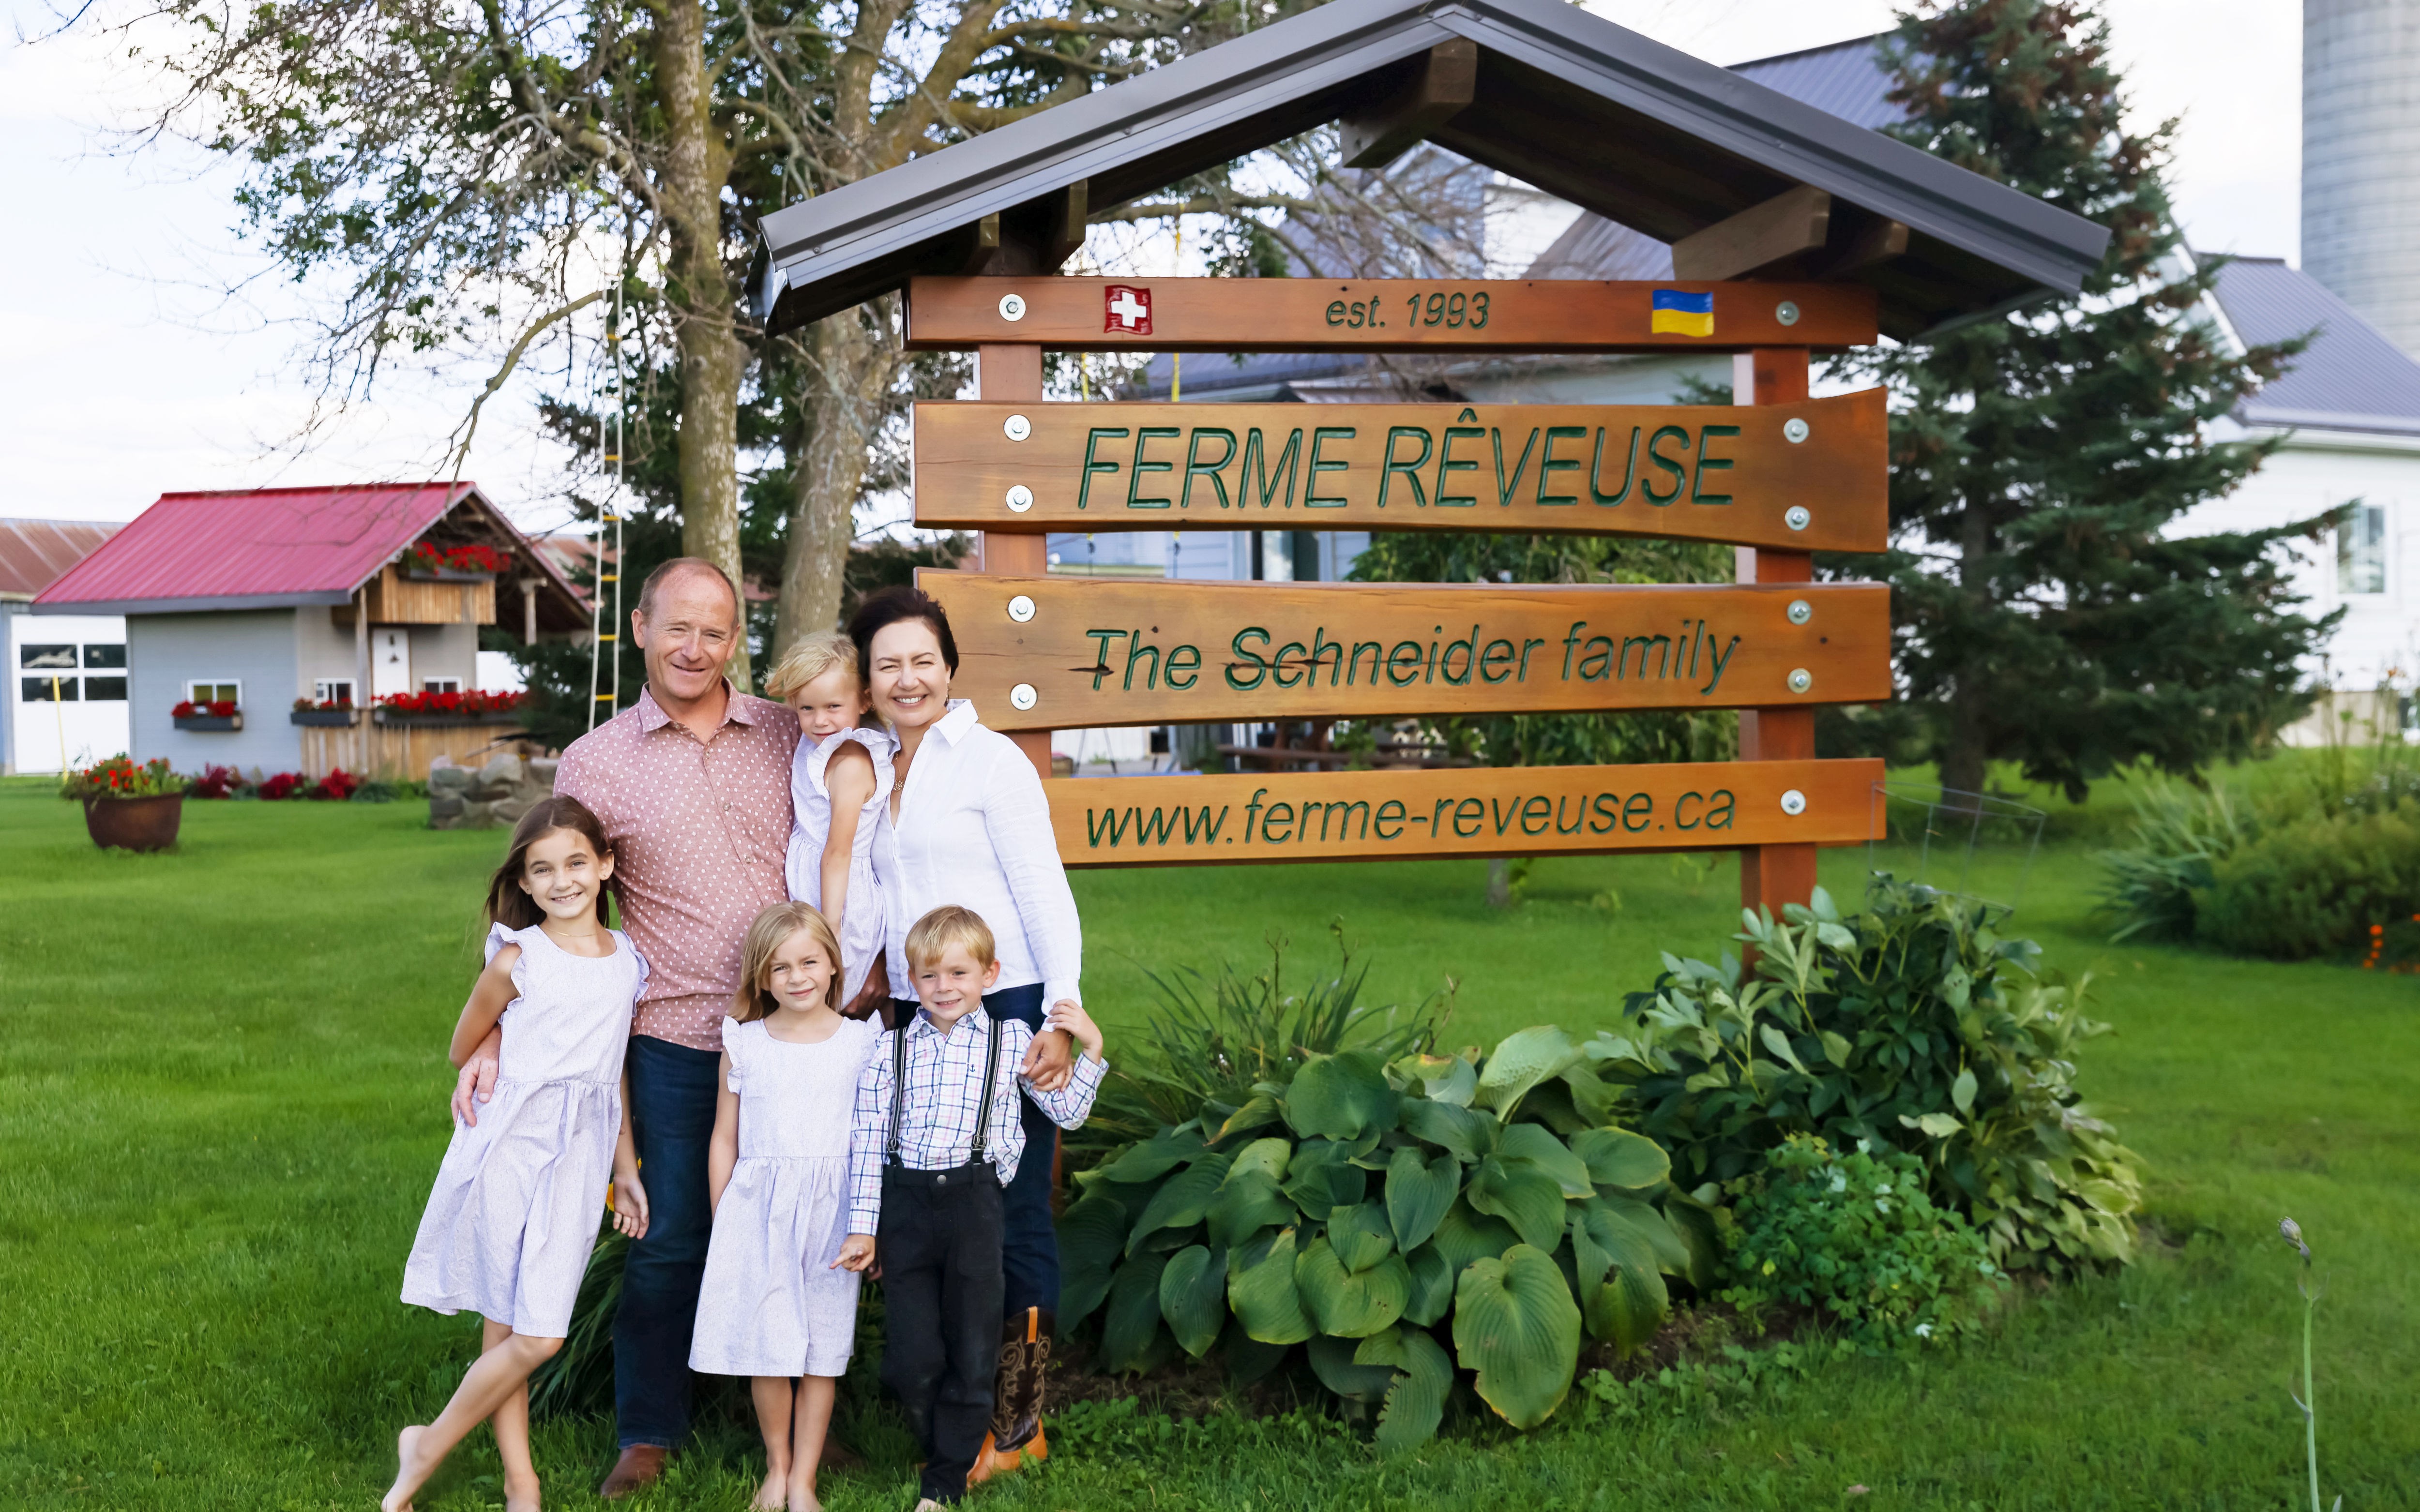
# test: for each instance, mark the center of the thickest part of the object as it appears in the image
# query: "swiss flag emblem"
(1126, 310)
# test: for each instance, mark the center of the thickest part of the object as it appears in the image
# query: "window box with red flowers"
(327, 713)
(477, 706)
(428, 562)
(220, 715)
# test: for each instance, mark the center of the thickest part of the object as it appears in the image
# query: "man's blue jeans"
(673, 1091)
(1029, 1239)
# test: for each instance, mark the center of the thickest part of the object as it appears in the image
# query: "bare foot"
(520, 1496)
(928, 1504)
(802, 1499)
(769, 1496)
(407, 1473)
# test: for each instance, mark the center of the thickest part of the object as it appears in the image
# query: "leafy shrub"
(220, 783)
(336, 787)
(2313, 885)
(1855, 1237)
(1358, 1206)
(1912, 1027)
(2315, 867)
(284, 785)
(372, 791)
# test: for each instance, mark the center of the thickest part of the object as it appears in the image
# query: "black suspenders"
(899, 1087)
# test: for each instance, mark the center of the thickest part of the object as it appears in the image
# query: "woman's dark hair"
(508, 902)
(885, 607)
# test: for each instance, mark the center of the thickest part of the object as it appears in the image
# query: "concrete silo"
(2361, 157)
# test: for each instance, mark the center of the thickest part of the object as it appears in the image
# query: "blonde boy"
(937, 1134)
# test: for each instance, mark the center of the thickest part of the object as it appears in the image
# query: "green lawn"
(222, 1097)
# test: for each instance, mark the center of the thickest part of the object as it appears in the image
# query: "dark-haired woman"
(968, 824)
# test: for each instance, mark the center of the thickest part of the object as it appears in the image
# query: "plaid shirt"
(945, 1074)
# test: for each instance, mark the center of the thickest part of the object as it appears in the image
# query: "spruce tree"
(2043, 613)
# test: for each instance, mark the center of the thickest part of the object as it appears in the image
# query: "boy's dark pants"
(941, 1247)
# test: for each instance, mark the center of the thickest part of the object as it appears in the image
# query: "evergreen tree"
(2042, 615)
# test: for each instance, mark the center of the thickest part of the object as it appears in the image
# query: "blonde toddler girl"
(839, 780)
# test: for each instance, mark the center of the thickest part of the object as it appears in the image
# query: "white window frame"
(2363, 531)
(441, 685)
(213, 683)
(324, 691)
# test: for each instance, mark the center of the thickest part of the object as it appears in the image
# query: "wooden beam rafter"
(1442, 87)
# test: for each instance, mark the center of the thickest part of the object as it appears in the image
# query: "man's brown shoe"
(641, 1466)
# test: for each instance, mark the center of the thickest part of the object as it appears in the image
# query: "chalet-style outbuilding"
(245, 606)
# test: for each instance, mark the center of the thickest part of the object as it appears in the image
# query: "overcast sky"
(126, 378)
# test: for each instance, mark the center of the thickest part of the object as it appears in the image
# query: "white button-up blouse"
(974, 829)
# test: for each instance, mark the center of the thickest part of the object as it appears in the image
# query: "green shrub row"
(2302, 872)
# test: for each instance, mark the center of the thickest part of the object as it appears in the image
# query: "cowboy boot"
(1016, 1437)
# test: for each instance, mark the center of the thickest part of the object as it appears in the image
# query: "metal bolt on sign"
(1793, 803)
(1801, 612)
(1021, 499)
(1021, 608)
(1800, 680)
(1793, 430)
(1011, 307)
(1786, 312)
(1022, 697)
(1797, 517)
(1016, 428)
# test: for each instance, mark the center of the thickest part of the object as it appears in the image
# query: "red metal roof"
(35, 552)
(254, 547)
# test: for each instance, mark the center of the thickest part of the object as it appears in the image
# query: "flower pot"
(442, 721)
(220, 723)
(333, 718)
(443, 575)
(135, 823)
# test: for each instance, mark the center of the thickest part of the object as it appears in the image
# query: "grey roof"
(1565, 101)
(1843, 79)
(2351, 377)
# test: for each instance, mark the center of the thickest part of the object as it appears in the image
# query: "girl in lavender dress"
(775, 1304)
(515, 1210)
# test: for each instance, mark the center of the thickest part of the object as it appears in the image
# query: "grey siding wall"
(255, 647)
(444, 651)
(323, 648)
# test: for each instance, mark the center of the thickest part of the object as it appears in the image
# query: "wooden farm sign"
(1803, 477)
(1519, 810)
(1044, 653)
(1262, 315)
(1784, 477)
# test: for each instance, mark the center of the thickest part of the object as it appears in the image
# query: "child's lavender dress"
(521, 1195)
(860, 928)
(771, 1304)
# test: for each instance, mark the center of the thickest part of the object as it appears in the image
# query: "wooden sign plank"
(1278, 315)
(1478, 810)
(1705, 473)
(1056, 653)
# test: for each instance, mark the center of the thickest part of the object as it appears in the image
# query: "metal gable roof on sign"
(1585, 110)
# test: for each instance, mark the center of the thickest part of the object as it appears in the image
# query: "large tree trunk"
(846, 372)
(696, 161)
(1966, 747)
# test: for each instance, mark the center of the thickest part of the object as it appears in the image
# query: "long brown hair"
(508, 903)
(754, 999)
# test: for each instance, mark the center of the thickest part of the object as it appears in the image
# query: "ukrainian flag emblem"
(1682, 314)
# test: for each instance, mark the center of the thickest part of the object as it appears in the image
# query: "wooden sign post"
(1779, 478)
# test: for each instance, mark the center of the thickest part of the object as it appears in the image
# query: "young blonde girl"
(839, 780)
(774, 1303)
(513, 1214)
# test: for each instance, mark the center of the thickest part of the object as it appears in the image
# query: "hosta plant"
(1399, 1221)
(1914, 1025)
